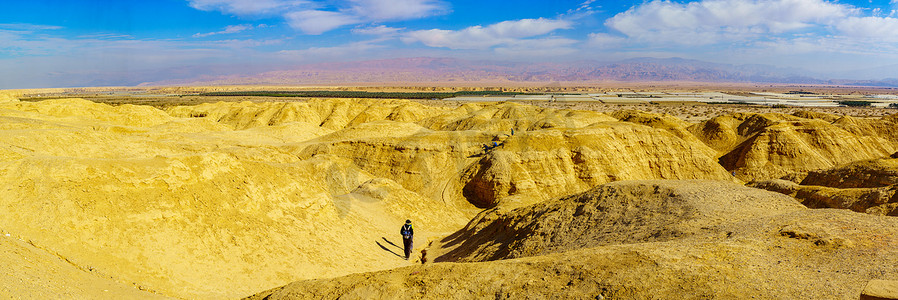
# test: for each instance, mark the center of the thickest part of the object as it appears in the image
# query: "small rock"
(880, 290)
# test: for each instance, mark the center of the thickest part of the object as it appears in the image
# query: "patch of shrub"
(855, 103)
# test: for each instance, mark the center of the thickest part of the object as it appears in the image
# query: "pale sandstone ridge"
(653, 239)
(224, 200)
(769, 146)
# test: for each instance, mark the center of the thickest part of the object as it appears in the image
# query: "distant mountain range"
(452, 70)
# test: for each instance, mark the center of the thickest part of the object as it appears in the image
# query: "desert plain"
(166, 194)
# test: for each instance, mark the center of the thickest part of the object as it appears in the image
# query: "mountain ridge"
(455, 70)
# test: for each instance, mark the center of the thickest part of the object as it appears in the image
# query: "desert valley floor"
(275, 199)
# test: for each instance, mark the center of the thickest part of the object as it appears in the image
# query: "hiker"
(407, 235)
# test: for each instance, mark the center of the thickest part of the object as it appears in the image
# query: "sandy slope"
(31, 272)
(189, 207)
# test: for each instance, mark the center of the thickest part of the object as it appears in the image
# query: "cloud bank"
(720, 21)
(319, 16)
(479, 37)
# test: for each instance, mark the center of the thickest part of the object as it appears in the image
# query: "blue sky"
(53, 43)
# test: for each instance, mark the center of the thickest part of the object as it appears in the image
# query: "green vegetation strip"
(855, 103)
(360, 94)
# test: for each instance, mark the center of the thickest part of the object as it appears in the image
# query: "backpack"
(406, 231)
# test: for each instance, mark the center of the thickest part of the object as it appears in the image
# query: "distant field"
(687, 110)
(164, 101)
(364, 94)
(259, 96)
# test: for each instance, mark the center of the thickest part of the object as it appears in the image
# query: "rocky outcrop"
(866, 186)
(861, 174)
(880, 290)
(877, 201)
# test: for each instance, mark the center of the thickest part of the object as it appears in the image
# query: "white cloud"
(537, 48)
(549, 42)
(227, 30)
(247, 7)
(55, 59)
(712, 21)
(869, 27)
(388, 10)
(319, 16)
(318, 21)
(378, 30)
(604, 40)
(479, 37)
(356, 50)
(28, 27)
(584, 9)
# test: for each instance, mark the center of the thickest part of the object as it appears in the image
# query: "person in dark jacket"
(407, 234)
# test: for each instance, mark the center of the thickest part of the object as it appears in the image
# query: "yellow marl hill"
(769, 146)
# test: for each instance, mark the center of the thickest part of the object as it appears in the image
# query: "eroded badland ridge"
(304, 199)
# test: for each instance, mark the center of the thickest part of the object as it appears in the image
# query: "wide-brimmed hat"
(408, 221)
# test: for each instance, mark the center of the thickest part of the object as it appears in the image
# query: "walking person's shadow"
(388, 242)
